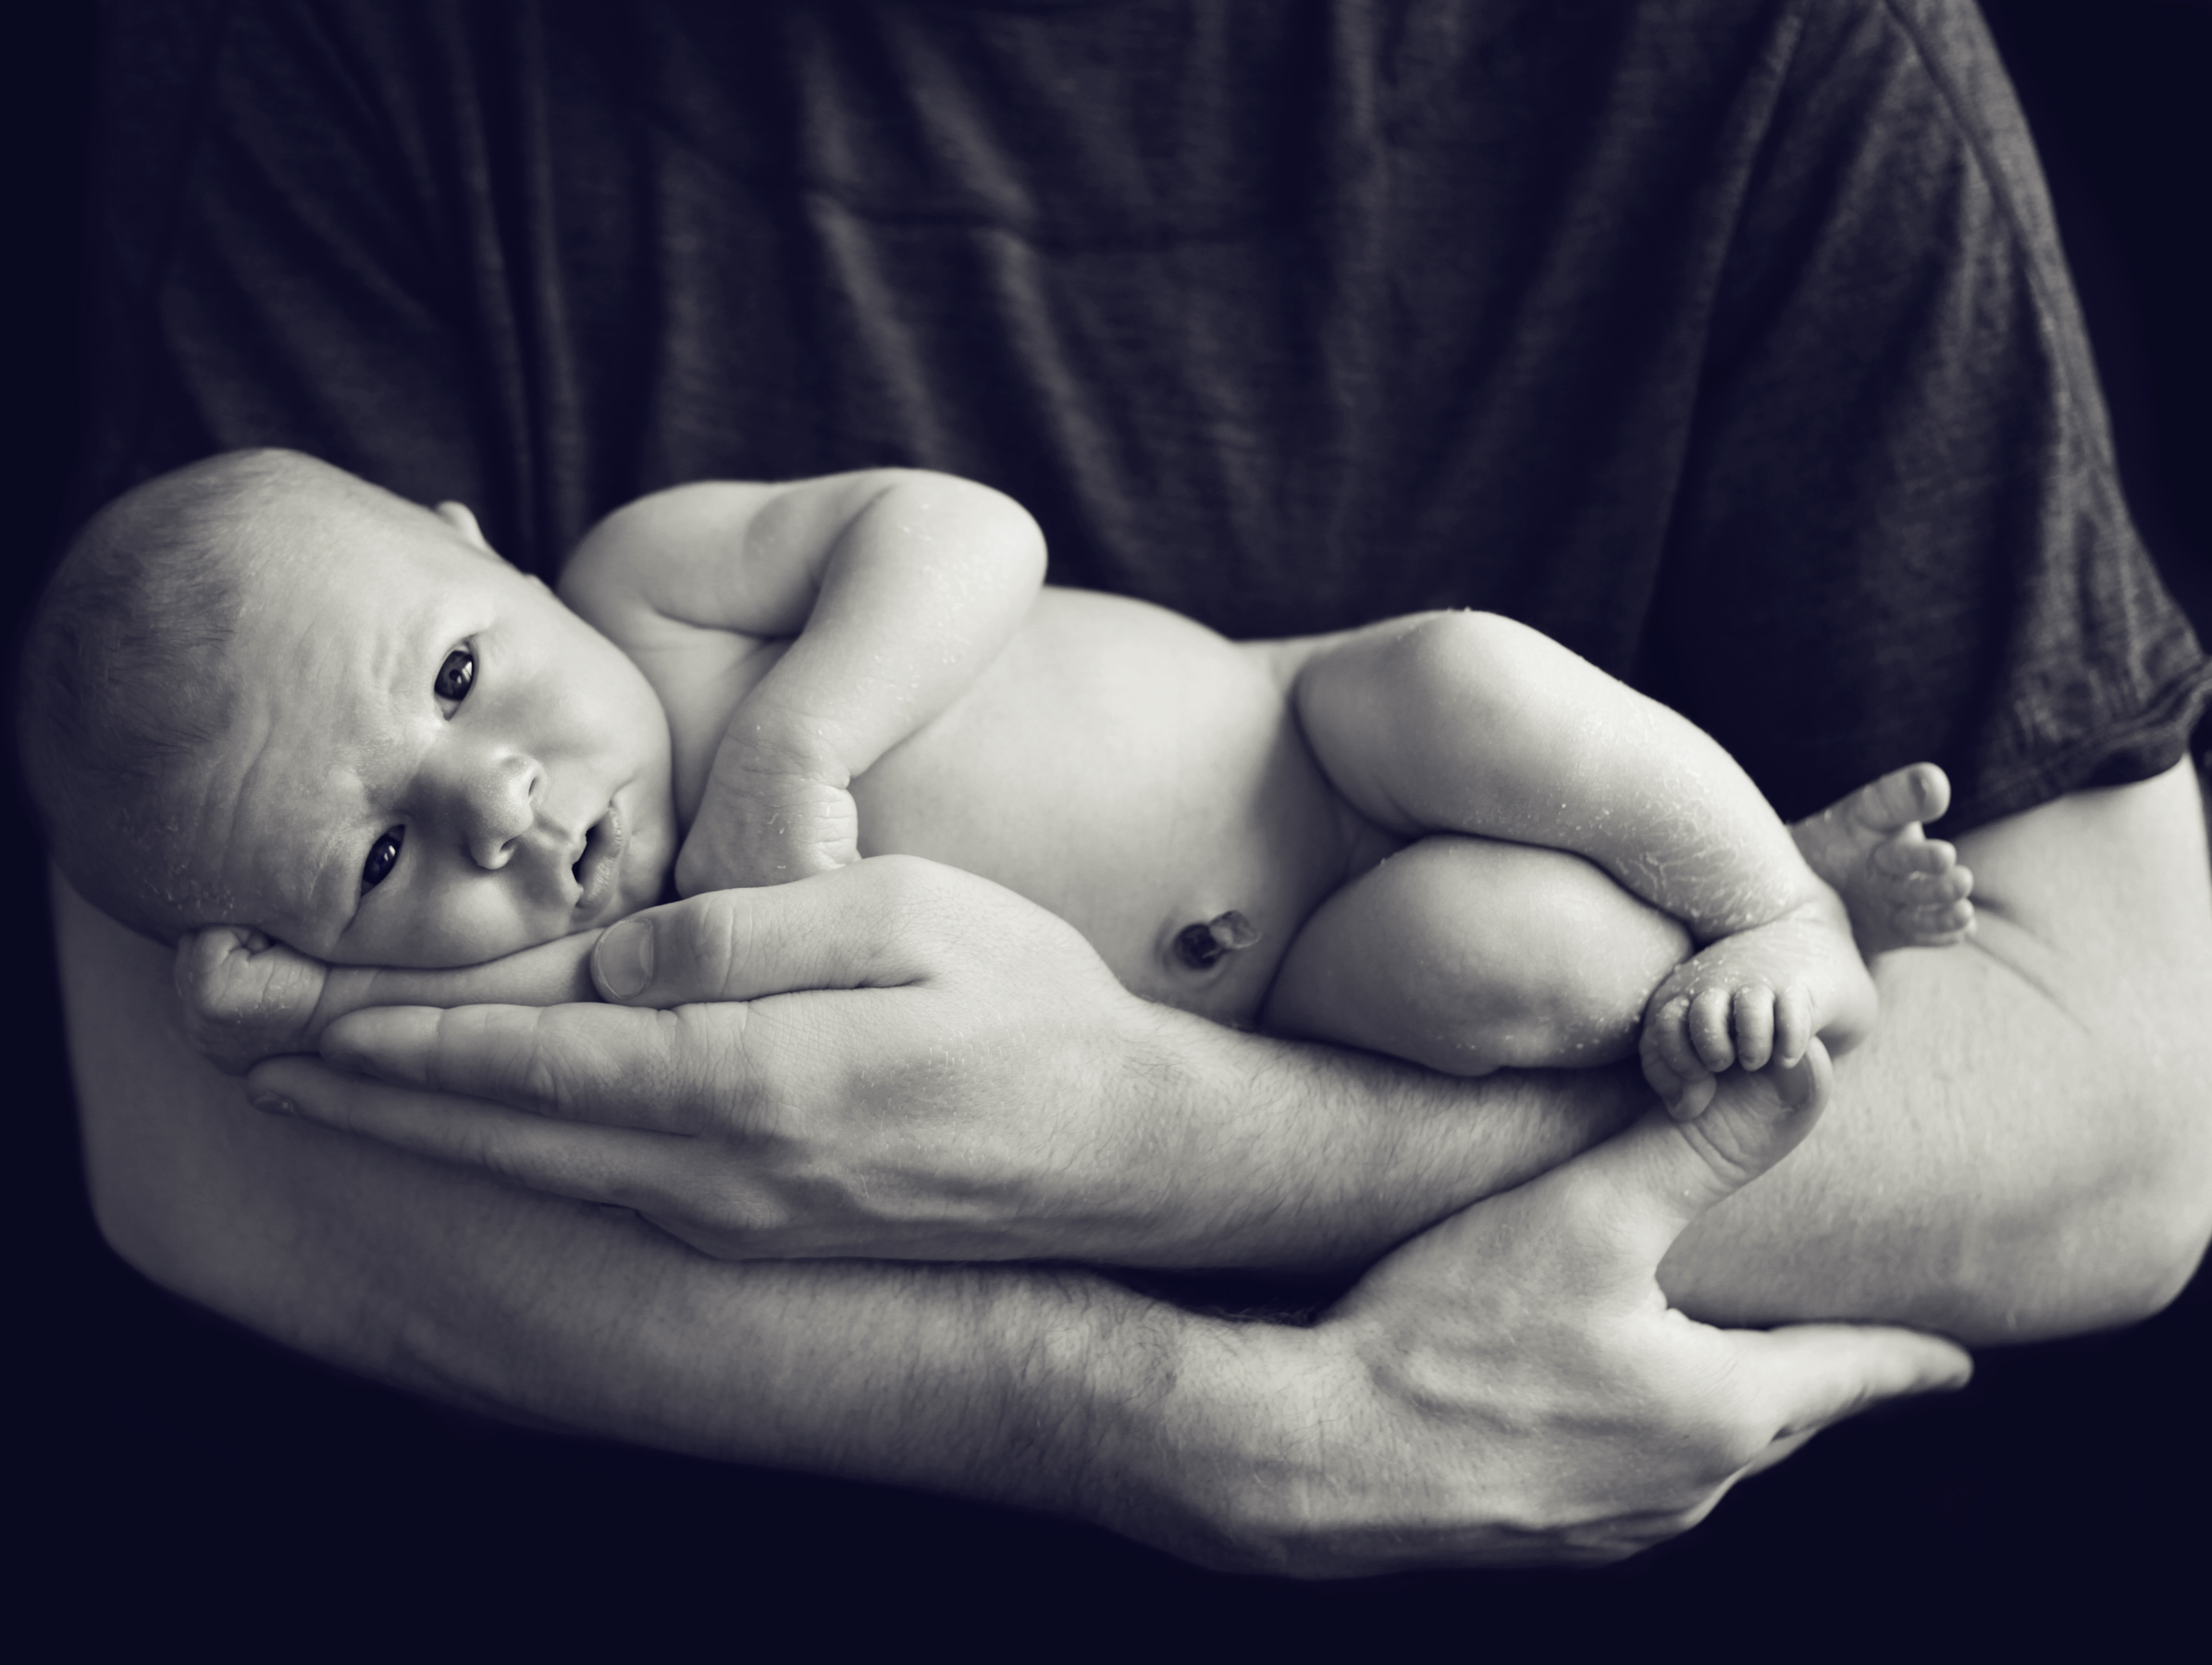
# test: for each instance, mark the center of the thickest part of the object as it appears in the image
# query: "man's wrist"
(1254, 1153)
(1162, 1424)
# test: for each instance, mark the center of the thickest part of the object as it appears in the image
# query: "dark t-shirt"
(1726, 340)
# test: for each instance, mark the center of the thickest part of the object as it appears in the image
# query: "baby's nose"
(501, 806)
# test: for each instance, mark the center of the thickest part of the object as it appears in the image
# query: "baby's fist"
(760, 827)
(247, 998)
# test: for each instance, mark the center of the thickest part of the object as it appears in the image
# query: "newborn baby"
(294, 723)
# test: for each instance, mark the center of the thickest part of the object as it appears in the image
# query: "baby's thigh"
(1470, 954)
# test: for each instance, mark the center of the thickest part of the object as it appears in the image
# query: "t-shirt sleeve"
(1901, 532)
(288, 230)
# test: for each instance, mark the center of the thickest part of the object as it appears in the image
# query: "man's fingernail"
(625, 958)
(275, 1104)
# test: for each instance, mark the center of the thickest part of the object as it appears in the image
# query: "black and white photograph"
(1090, 828)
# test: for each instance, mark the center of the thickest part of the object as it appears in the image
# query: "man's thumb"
(1657, 1176)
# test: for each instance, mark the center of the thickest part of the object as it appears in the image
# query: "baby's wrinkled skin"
(1247, 830)
(421, 690)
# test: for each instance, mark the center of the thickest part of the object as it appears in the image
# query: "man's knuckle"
(716, 940)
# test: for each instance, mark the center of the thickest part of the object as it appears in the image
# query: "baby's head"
(263, 691)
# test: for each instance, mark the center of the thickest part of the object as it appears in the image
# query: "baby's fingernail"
(623, 960)
(275, 1104)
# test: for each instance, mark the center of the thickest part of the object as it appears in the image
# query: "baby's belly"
(1136, 775)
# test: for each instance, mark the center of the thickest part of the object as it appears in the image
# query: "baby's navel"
(1203, 945)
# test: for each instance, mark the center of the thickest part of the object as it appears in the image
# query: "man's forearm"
(1424, 1423)
(2024, 1147)
(999, 1384)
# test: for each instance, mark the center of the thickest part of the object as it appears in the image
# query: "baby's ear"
(459, 517)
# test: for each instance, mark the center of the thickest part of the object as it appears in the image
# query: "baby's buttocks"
(1138, 775)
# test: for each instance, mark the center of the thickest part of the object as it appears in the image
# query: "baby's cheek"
(462, 926)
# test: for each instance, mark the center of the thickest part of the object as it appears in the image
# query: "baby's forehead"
(343, 575)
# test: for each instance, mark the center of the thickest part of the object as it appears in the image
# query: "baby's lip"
(599, 865)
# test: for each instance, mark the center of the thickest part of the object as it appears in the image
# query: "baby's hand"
(247, 998)
(763, 825)
(1750, 1000)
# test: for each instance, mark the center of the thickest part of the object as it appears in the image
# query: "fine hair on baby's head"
(262, 693)
(126, 681)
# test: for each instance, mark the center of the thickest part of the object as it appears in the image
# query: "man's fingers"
(1819, 1374)
(1649, 1183)
(579, 1062)
(549, 974)
(855, 928)
(592, 1165)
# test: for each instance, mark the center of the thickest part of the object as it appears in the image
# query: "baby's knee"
(1570, 984)
(1481, 954)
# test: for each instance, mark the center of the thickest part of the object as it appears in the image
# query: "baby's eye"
(456, 676)
(383, 854)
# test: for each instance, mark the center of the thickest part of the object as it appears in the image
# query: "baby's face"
(433, 761)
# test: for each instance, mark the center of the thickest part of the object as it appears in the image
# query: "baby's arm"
(900, 588)
(1469, 722)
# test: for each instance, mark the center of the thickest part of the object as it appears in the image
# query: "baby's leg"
(1904, 889)
(1470, 954)
(1762, 995)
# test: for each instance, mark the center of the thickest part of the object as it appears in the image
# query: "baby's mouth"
(601, 860)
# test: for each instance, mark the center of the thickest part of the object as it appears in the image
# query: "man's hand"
(1506, 1388)
(891, 1059)
(1512, 1386)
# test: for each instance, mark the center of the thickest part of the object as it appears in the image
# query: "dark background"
(177, 1479)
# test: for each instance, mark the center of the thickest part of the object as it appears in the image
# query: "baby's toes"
(1670, 1062)
(1793, 1024)
(1752, 1016)
(1685, 1095)
(1908, 855)
(1694, 1099)
(1710, 1010)
(1937, 924)
(1920, 792)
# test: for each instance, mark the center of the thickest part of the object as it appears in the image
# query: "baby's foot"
(247, 998)
(1750, 1001)
(1740, 1130)
(1904, 889)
